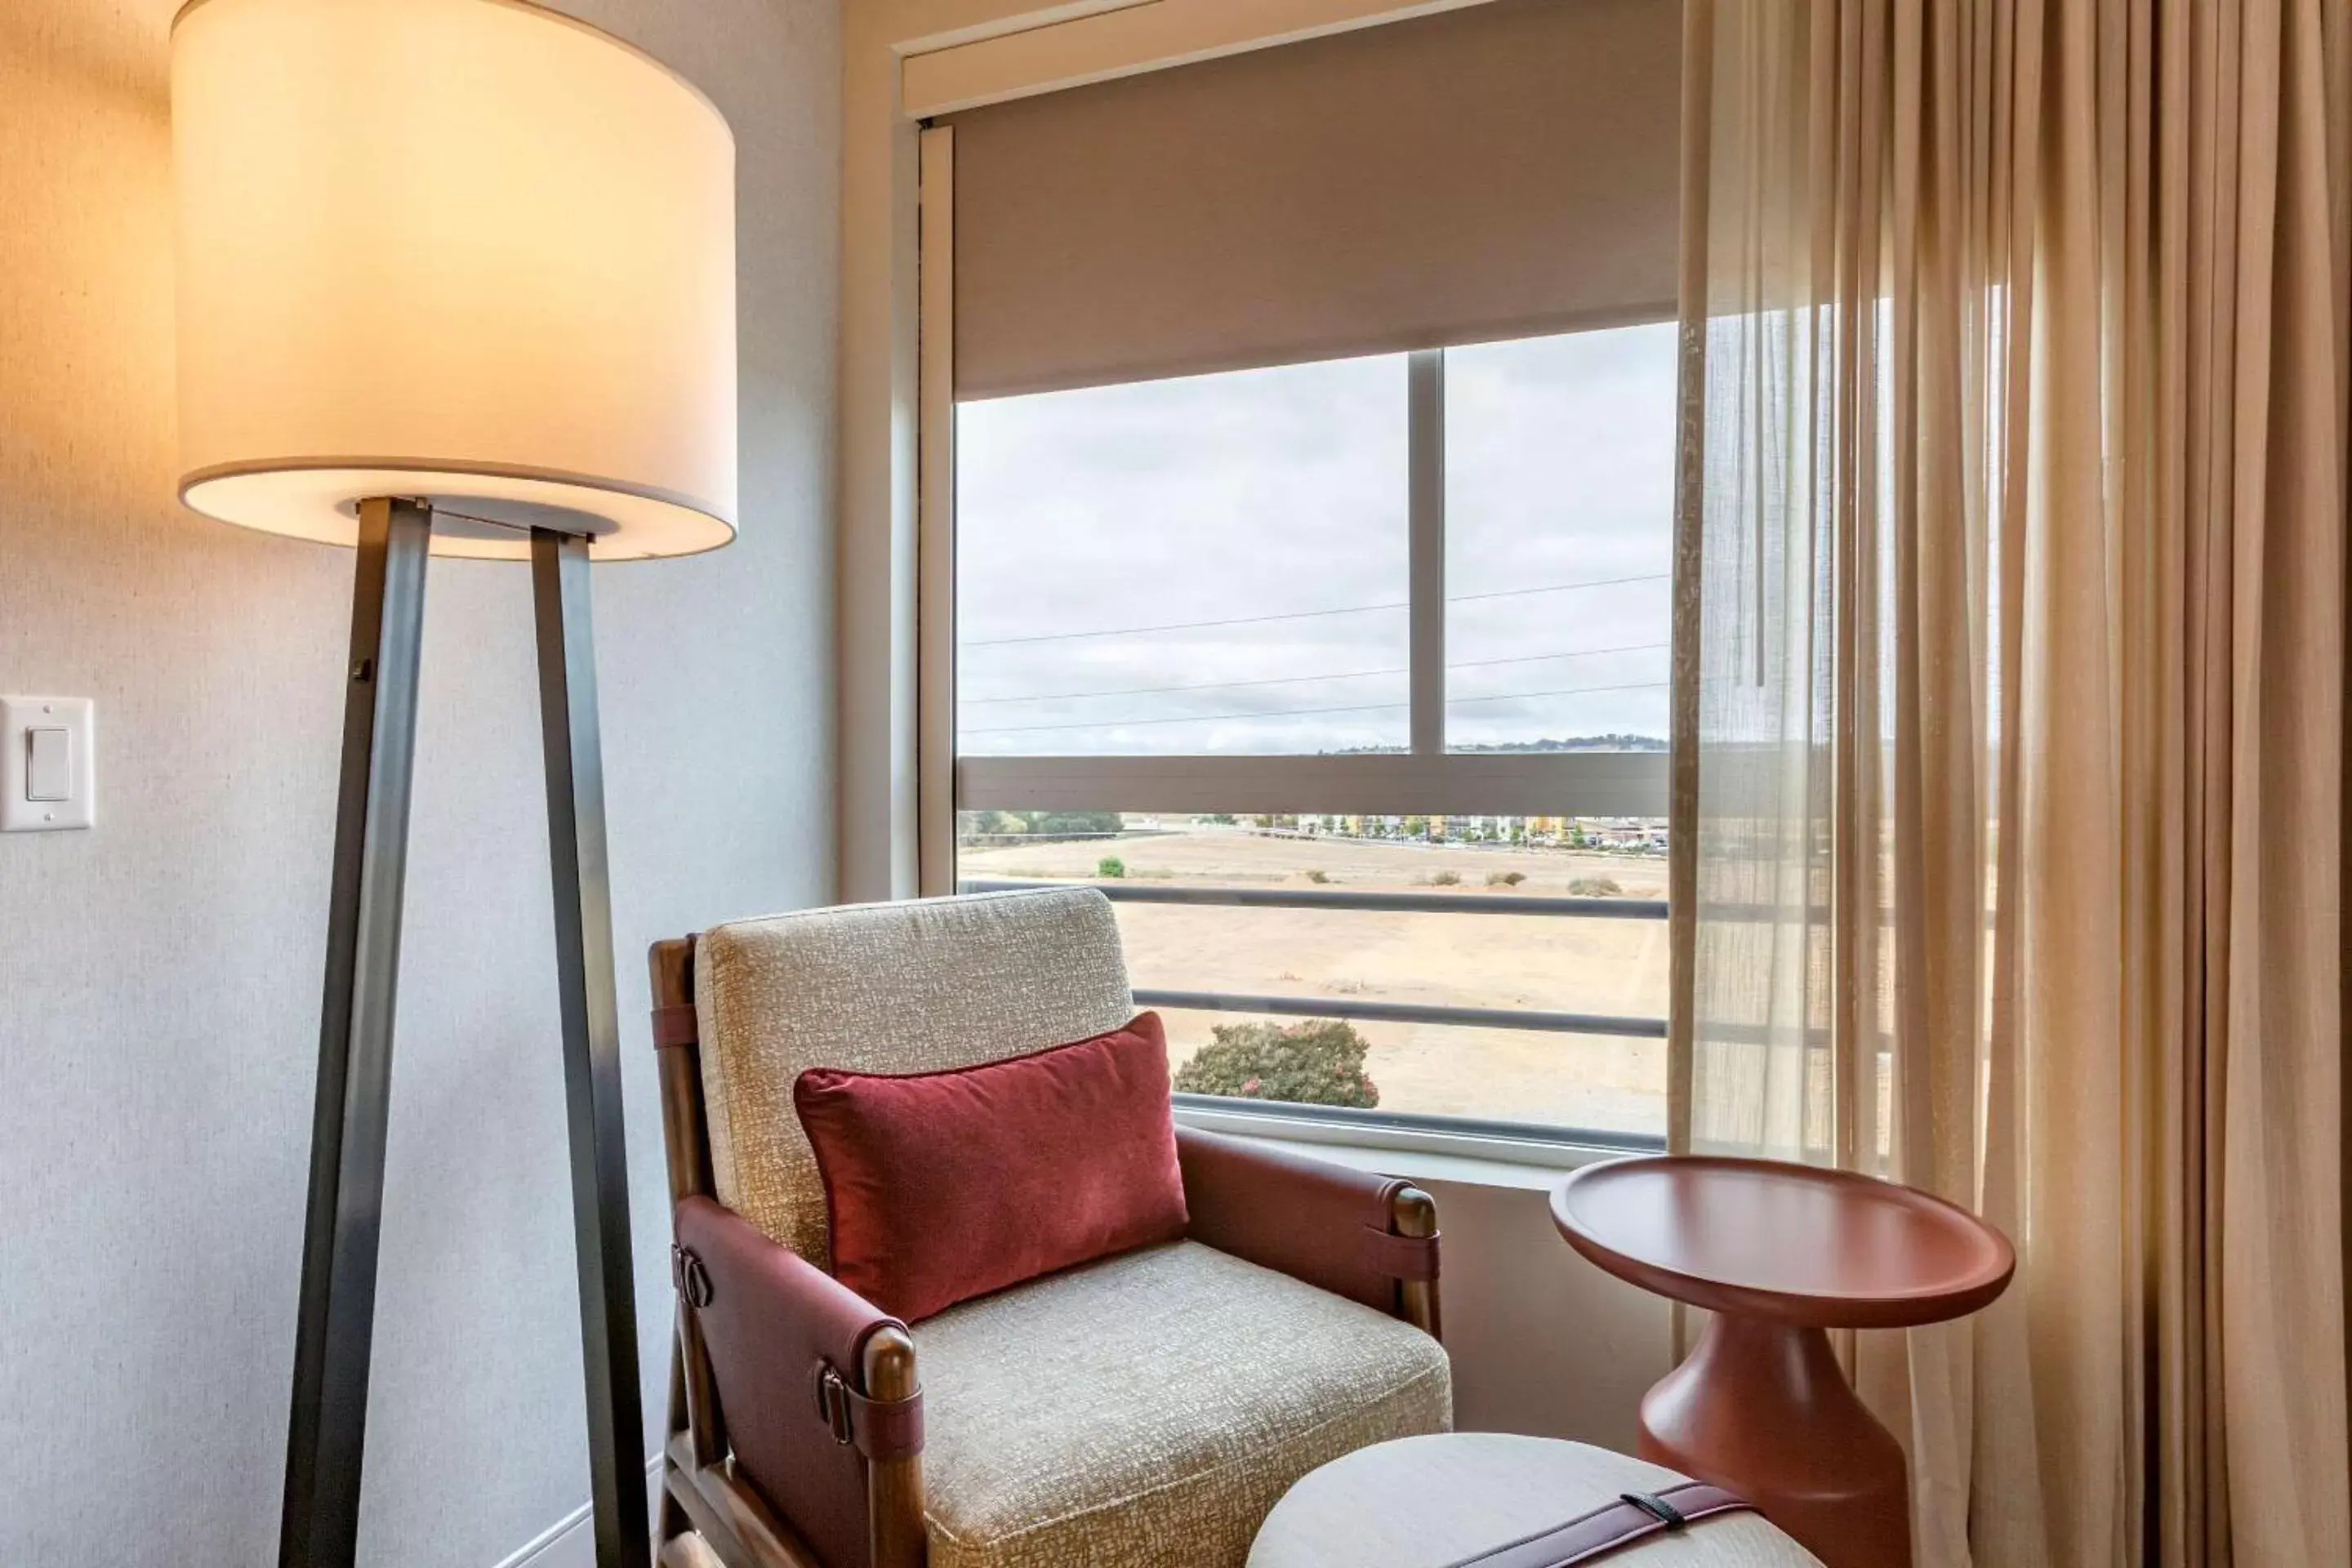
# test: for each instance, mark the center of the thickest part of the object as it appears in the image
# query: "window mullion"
(1425, 522)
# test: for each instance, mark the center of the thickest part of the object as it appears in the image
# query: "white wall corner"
(569, 1542)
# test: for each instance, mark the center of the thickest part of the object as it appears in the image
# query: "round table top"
(1791, 1244)
(1448, 1498)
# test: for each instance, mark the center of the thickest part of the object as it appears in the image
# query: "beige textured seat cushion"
(1427, 1502)
(1146, 1411)
(904, 987)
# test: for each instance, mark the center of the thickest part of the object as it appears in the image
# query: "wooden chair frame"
(703, 1493)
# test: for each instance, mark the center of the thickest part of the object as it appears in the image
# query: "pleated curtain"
(2011, 673)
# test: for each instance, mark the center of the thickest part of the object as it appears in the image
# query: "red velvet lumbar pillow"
(947, 1185)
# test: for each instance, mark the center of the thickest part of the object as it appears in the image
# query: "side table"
(1781, 1253)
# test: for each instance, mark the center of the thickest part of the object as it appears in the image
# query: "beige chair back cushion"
(904, 987)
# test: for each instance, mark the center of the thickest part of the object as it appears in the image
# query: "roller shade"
(1499, 171)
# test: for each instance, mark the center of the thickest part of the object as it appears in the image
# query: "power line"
(1296, 679)
(1561, 691)
(1307, 712)
(1309, 615)
(1556, 588)
(1158, 691)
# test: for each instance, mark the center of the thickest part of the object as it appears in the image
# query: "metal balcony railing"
(1119, 891)
(1451, 1131)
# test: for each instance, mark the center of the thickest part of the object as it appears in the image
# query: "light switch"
(48, 773)
(48, 763)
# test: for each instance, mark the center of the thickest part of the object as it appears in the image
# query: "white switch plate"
(19, 717)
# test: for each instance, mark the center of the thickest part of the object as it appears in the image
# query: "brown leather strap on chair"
(676, 1025)
(877, 1429)
(768, 1317)
(1321, 1223)
(1635, 1516)
(1395, 1257)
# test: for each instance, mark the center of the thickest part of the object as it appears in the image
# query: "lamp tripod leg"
(336, 1321)
(591, 1056)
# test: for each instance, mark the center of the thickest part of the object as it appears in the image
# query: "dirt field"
(1609, 966)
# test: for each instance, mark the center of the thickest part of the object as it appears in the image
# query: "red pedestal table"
(1781, 1253)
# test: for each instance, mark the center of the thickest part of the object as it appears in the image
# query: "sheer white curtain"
(2014, 514)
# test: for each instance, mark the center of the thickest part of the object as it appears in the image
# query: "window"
(1214, 564)
(1348, 682)
(1559, 467)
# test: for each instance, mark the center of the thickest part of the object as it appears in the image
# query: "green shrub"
(1506, 878)
(1110, 866)
(1317, 874)
(1443, 879)
(1595, 888)
(1319, 1062)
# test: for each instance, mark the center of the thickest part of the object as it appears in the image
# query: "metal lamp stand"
(319, 1526)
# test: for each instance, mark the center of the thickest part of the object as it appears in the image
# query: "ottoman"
(1447, 1499)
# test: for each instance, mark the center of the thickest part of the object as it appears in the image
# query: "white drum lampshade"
(467, 250)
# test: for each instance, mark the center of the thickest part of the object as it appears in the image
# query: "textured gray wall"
(159, 976)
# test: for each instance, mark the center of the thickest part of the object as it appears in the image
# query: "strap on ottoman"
(1635, 1516)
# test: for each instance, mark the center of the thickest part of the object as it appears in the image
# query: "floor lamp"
(456, 276)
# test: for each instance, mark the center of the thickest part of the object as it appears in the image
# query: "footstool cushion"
(1430, 1502)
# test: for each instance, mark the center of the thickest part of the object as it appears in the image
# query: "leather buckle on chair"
(879, 1429)
(691, 1279)
(833, 1403)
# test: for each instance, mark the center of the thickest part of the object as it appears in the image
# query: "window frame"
(1424, 780)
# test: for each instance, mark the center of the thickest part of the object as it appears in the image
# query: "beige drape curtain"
(2015, 515)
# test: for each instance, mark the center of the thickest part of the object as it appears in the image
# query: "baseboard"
(569, 1542)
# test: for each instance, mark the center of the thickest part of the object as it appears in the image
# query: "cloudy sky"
(1217, 563)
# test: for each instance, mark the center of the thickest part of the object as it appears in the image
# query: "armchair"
(1143, 1410)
